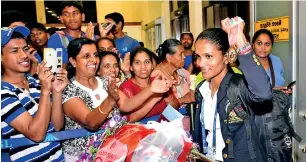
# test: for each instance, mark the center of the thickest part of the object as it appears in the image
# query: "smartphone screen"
(53, 58)
(290, 85)
(59, 52)
(104, 25)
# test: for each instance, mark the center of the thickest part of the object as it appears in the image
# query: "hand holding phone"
(286, 89)
(105, 28)
(106, 24)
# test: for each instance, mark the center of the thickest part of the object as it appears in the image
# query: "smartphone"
(59, 52)
(53, 58)
(106, 24)
(290, 85)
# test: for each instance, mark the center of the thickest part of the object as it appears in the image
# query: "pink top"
(130, 89)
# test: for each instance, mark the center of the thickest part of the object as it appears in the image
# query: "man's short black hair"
(141, 44)
(117, 17)
(52, 30)
(187, 33)
(96, 29)
(11, 16)
(69, 4)
(36, 25)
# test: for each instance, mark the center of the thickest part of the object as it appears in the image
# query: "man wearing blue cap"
(25, 101)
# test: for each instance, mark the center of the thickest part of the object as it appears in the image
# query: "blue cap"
(6, 33)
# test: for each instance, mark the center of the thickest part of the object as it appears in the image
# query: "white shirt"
(97, 95)
(210, 106)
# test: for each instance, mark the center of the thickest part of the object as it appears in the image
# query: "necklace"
(171, 76)
(24, 84)
(26, 92)
(135, 81)
(29, 95)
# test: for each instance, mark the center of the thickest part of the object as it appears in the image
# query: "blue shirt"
(278, 71)
(126, 44)
(15, 102)
(36, 55)
(188, 61)
(55, 42)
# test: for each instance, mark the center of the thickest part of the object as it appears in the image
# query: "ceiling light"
(54, 14)
(47, 8)
(49, 11)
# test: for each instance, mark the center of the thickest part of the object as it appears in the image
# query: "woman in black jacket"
(227, 136)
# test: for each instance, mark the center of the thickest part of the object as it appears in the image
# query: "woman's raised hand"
(161, 84)
(125, 63)
(226, 25)
(113, 88)
(90, 31)
(234, 28)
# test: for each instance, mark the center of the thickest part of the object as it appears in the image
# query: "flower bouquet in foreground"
(152, 142)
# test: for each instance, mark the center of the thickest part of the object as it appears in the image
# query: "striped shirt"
(14, 102)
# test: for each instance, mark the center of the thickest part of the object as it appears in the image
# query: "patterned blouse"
(75, 147)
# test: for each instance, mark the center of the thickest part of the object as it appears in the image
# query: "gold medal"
(231, 54)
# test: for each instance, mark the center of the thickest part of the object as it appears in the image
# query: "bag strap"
(272, 71)
(291, 129)
(237, 104)
(64, 40)
(28, 95)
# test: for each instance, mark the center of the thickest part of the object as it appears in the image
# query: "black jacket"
(257, 90)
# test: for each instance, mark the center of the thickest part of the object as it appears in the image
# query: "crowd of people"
(108, 75)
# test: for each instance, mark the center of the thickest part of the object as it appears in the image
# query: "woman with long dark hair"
(88, 100)
(262, 44)
(141, 67)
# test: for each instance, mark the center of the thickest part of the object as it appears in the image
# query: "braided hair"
(216, 36)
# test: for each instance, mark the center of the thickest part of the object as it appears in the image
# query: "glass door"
(155, 34)
(215, 11)
(158, 35)
(179, 18)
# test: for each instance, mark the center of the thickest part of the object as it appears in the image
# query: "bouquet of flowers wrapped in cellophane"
(152, 142)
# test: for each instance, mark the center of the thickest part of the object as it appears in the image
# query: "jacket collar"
(222, 92)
